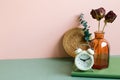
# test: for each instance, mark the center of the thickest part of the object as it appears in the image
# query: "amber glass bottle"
(101, 49)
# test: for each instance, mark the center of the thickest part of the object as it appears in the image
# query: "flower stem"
(104, 26)
(99, 26)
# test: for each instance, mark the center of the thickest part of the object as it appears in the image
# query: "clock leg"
(75, 68)
(91, 70)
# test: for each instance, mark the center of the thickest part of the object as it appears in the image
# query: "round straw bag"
(72, 40)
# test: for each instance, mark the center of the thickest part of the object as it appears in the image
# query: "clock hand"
(82, 59)
(87, 59)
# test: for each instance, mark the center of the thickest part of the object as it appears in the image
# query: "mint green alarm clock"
(84, 59)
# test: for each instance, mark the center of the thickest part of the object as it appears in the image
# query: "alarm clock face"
(84, 61)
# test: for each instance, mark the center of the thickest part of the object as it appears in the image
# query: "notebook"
(113, 71)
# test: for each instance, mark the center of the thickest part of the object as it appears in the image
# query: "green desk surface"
(39, 69)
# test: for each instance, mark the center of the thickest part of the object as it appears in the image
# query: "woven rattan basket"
(72, 40)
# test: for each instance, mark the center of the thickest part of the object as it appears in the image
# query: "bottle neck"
(99, 35)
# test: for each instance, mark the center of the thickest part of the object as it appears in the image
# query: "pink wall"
(34, 28)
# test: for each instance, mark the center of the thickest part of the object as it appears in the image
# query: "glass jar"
(101, 49)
